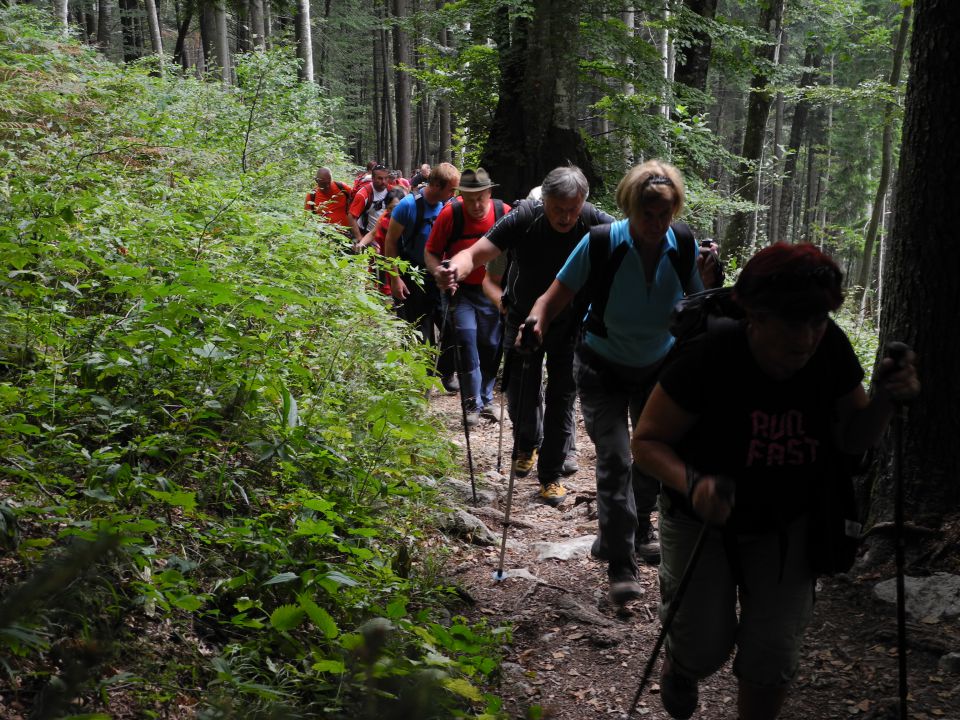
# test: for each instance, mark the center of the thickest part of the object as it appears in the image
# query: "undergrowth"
(211, 426)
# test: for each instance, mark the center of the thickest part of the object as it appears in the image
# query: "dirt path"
(576, 656)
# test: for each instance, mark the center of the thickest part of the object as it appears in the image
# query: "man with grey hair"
(539, 234)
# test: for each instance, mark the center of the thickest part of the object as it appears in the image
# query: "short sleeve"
(576, 270)
(406, 212)
(440, 233)
(682, 378)
(504, 233)
(359, 203)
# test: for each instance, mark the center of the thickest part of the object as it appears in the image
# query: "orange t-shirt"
(331, 205)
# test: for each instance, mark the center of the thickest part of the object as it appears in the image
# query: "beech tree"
(921, 298)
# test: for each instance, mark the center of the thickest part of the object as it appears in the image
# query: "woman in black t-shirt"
(791, 394)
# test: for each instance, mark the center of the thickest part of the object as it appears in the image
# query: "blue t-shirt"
(637, 316)
(405, 213)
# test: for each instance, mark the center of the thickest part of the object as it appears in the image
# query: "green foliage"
(191, 365)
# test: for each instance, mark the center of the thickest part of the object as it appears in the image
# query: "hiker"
(330, 200)
(365, 177)
(791, 393)
(420, 177)
(540, 235)
(406, 238)
(476, 320)
(624, 343)
(377, 236)
(368, 203)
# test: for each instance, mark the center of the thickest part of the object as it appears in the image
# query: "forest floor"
(577, 656)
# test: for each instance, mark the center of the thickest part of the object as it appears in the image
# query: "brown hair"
(445, 175)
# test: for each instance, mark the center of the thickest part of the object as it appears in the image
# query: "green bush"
(209, 415)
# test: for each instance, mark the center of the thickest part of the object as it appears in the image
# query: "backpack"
(833, 532)
(407, 243)
(604, 265)
(457, 232)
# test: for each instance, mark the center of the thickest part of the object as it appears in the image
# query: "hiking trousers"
(477, 326)
(611, 399)
(546, 420)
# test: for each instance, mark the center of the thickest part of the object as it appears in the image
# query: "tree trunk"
(798, 128)
(103, 25)
(921, 293)
(128, 30)
(758, 108)
(257, 30)
(267, 23)
(629, 17)
(61, 11)
(179, 55)
(692, 69)
(153, 22)
(401, 86)
(222, 42)
(304, 41)
(208, 33)
(443, 109)
(534, 128)
(889, 111)
(387, 114)
(773, 220)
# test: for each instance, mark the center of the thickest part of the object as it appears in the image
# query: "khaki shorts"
(774, 610)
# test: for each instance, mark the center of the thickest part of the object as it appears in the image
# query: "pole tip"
(499, 575)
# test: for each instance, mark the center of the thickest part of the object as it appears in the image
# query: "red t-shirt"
(331, 205)
(379, 236)
(473, 230)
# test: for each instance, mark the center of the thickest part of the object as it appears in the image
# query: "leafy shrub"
(191, 366)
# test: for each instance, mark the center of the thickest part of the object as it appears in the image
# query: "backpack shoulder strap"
(683, 261)
(497, 210)
(604, 265)
(343, 188)
(457, 228)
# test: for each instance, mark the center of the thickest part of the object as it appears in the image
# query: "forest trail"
(577, 656)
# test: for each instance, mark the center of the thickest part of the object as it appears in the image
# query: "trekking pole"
(897, 351)
(725, 487)
(528, 343)
(448, 300)
(504, 376)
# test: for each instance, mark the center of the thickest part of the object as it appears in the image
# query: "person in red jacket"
(368, 203)
(330, 199)
(476, 320)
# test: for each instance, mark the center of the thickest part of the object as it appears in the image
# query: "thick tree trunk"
(208, 33)
(129, 31)
(758, 108)
(773, 219)
(304, 41)
(401, 86)
(886, 163)
(921, 295)
(534, 128)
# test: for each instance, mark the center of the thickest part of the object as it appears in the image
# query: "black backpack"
(604, 265)
(457, 231)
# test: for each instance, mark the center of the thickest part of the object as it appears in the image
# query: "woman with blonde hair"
(625, 339)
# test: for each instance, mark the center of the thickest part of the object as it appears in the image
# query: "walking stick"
(897, 351)
(504, 376)
(527, 345)
(448, 301)
(726, 487)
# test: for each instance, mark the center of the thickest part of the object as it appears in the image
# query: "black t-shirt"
(770, 436)
(539, 250)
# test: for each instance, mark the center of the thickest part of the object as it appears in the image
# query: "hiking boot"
(491, 412)
(450, 383)
(525, 462)
(552, 493)
(570, 466)
(647, 546)
(678, 693)
(624, 586)
(473, 418)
